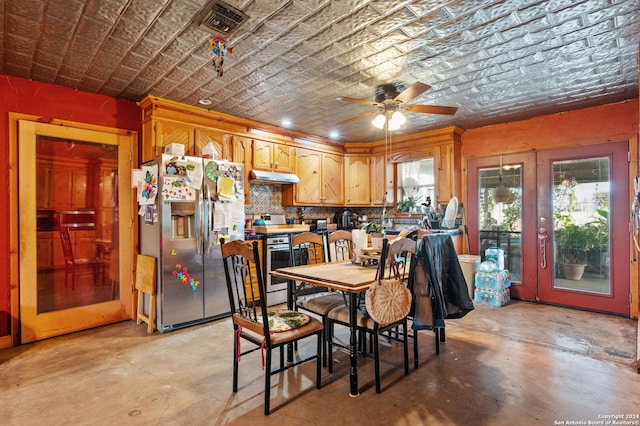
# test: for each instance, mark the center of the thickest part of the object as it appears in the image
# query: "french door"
(75, 229)
(553, 212)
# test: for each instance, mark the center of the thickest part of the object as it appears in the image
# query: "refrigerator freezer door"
(182, 293)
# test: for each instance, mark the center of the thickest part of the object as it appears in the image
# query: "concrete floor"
(521, 364)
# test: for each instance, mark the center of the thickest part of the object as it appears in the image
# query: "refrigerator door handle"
(200, 224)
(207, 224)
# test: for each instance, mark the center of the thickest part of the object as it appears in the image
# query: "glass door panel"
(74, 256)
(501, 214)
(75, 249)
(583, 208)
(580, 205)
(496, 212)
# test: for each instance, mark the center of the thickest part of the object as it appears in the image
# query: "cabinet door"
(241, 148)
(283, 158)
(219, 141)
(262, 159)
(253, 270)
(79, 185)
(382, 181)
(167, 133)
(309, 189)
(45, 250)
(44, 176)
(62, 187)
(357, 186)
(333, 177)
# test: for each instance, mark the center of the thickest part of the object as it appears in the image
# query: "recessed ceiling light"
(205, 102)
(334, 134)
(286, 122)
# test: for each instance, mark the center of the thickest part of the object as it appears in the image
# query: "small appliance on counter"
(347, 220)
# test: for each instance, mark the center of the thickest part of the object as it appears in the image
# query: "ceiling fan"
(392, 98)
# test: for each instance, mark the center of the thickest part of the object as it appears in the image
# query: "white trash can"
(470, 263)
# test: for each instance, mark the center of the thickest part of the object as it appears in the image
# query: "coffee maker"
(346, 220)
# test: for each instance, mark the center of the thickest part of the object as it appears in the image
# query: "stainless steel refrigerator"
(187, 204)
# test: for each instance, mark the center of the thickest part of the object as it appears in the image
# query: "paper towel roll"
(360, 241)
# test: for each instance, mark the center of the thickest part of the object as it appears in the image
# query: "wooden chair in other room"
(146, 284)
(307, 248)
(340, 315)
(251, 318)
(71, 263)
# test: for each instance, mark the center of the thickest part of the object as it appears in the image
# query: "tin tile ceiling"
(496, 61)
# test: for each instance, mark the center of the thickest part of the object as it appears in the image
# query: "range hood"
(260, 176)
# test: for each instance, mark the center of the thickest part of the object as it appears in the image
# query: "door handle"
(543, 237)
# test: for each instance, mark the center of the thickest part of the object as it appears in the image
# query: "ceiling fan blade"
(413, 91)
(356, 101)
(431, 109)
(357, 117)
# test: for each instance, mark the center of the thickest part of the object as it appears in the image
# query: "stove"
(277, 253)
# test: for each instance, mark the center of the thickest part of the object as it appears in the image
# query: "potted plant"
(573, 243)
(407, 204)
(375, 231)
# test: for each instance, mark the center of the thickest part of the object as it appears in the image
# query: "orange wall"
(610, 122)
(46, 100)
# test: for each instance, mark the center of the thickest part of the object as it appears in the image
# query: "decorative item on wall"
(219, 48)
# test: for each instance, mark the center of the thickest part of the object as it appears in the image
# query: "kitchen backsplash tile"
(268, 199)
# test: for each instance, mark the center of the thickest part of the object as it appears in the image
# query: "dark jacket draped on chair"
(438, 284)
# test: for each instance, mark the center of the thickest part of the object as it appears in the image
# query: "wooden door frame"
(126, 265)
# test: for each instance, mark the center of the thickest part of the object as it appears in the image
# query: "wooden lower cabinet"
(253, 270)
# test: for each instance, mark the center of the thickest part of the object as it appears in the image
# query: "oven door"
(277, 257)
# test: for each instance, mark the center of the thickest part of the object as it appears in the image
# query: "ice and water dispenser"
(183, 219)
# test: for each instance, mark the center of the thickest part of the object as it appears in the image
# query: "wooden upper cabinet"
(357, 186)
(167, 132)
(382, 181)
(241, 153)
(221, 143)
(333, 179)
(309, 190)
(68, 184)
(274, 157)
(321, 180)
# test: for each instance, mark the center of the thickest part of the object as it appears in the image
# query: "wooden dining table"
(345, 276)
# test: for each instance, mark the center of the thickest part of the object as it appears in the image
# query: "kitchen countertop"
(280, 229)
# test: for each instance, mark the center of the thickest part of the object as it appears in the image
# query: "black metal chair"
(339, 245)
(307, 248)
(267, 328)
(366, 324)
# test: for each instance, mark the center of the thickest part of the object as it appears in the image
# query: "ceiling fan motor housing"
(388, 92)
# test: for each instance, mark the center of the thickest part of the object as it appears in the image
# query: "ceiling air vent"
(221, 18)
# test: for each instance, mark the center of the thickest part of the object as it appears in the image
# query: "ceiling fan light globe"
(379, 121)
(397, 119)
